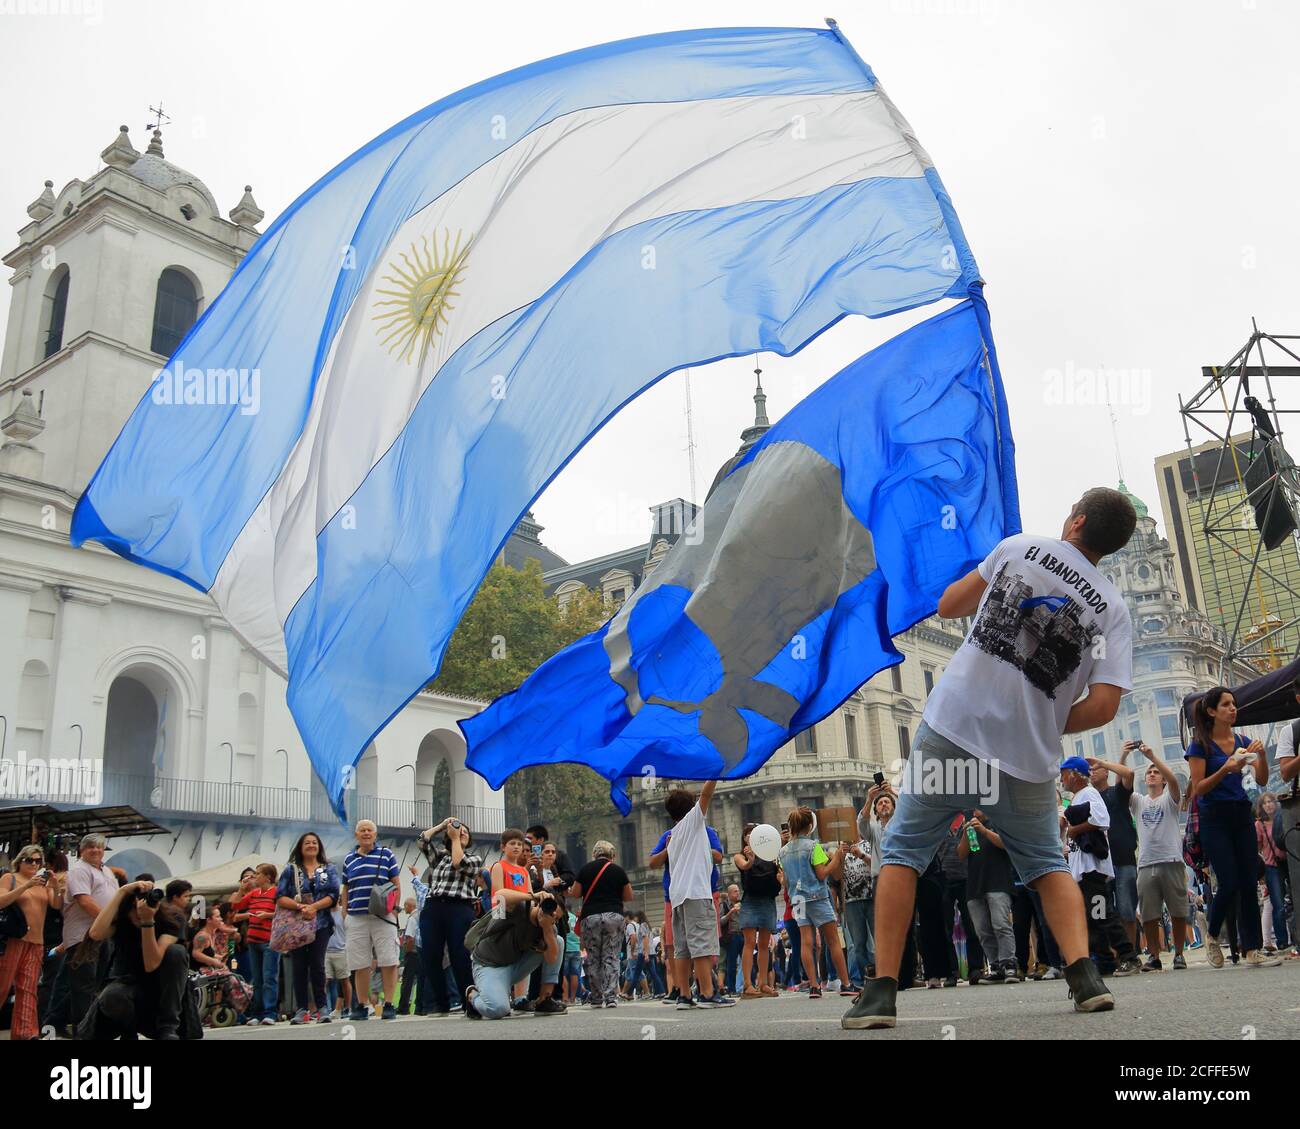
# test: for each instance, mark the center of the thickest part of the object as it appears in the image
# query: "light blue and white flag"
(439, 324)
(839, 529)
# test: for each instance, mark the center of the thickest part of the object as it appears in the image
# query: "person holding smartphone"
(1218, 758)
(31, 889)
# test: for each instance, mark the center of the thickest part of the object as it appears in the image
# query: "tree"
(510, 628)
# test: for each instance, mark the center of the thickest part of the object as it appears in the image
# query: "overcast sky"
(1128, 176)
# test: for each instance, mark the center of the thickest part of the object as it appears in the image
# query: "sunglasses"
(33, 859)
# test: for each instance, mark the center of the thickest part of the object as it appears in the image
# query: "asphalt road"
(1200, 1003)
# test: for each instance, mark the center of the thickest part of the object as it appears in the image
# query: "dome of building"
(1138, 504)
(153, 169)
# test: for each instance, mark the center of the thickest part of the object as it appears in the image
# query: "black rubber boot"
(1087, 988)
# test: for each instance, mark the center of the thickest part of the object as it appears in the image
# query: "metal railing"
(214, 798)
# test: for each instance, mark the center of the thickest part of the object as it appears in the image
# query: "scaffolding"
(1254, 487)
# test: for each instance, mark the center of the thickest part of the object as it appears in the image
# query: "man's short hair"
(1110, 522)
(268, 870)
(176, 887)
(679, 803)
(537, 831)
(94, 839)
(511, 833)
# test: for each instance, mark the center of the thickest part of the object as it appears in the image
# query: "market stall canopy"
(1271, 697)
(221, 879)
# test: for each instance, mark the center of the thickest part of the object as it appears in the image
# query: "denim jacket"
(800, 878)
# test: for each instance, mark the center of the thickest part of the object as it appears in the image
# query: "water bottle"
(972, 839)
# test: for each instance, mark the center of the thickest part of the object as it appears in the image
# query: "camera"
(455, 824)
(152, 896)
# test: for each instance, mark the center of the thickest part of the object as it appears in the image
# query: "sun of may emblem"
(416, 307)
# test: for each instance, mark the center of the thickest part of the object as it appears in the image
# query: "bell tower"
(109, 274)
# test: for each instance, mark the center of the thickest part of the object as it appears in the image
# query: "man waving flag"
(444, 319)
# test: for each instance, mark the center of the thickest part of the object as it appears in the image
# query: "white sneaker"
(1256, 959)
(1053, 973)
(1213, 951)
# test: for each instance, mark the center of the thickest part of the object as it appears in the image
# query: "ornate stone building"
(127, 675)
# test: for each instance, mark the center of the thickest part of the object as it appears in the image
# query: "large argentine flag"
(439, 323)
(840, 528)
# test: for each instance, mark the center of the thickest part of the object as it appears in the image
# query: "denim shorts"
(572, 964)
(817, 912)
(758, 913)
(939, 781)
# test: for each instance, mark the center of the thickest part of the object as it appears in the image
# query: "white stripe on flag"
(532, 212)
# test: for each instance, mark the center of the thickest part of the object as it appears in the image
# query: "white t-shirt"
(1285, 743)
(1082, 861)
(1160, 839)
(1049, 626)
(690, 860)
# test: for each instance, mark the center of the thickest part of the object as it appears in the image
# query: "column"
(15, 601)
(79, 641)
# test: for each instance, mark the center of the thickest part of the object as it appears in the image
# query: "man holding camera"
(511, 945)
(146, 992)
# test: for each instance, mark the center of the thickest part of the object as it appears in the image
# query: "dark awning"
(1269, 697)
(21, 825)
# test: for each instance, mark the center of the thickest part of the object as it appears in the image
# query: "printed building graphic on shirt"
(1043, 638)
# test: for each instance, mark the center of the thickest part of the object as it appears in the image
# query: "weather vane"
(159, 117)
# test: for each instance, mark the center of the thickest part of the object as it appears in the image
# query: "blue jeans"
(264, 963)
(1228, 840)
(858, 928)
(496, 985)
(735, 945)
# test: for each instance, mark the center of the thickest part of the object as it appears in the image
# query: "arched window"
(58, 308)
(174, 311)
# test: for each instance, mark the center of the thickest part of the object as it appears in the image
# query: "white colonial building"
(128, 676)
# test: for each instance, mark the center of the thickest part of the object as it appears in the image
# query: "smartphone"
(537, 849)
(878, 777)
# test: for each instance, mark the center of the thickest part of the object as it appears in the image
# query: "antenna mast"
(690, 436)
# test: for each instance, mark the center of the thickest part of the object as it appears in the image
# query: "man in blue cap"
(1050, 652)
(1088, 853)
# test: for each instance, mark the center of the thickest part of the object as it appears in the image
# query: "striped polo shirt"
(360, 872)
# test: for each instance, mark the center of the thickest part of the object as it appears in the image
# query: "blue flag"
(341, 445)
(840, 528)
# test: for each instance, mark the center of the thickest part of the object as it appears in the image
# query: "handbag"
(383, 899)
(289, 929)
(587, 894)
(13, 922)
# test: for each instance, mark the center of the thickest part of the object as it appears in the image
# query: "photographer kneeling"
(506, 949)
(146, 993)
